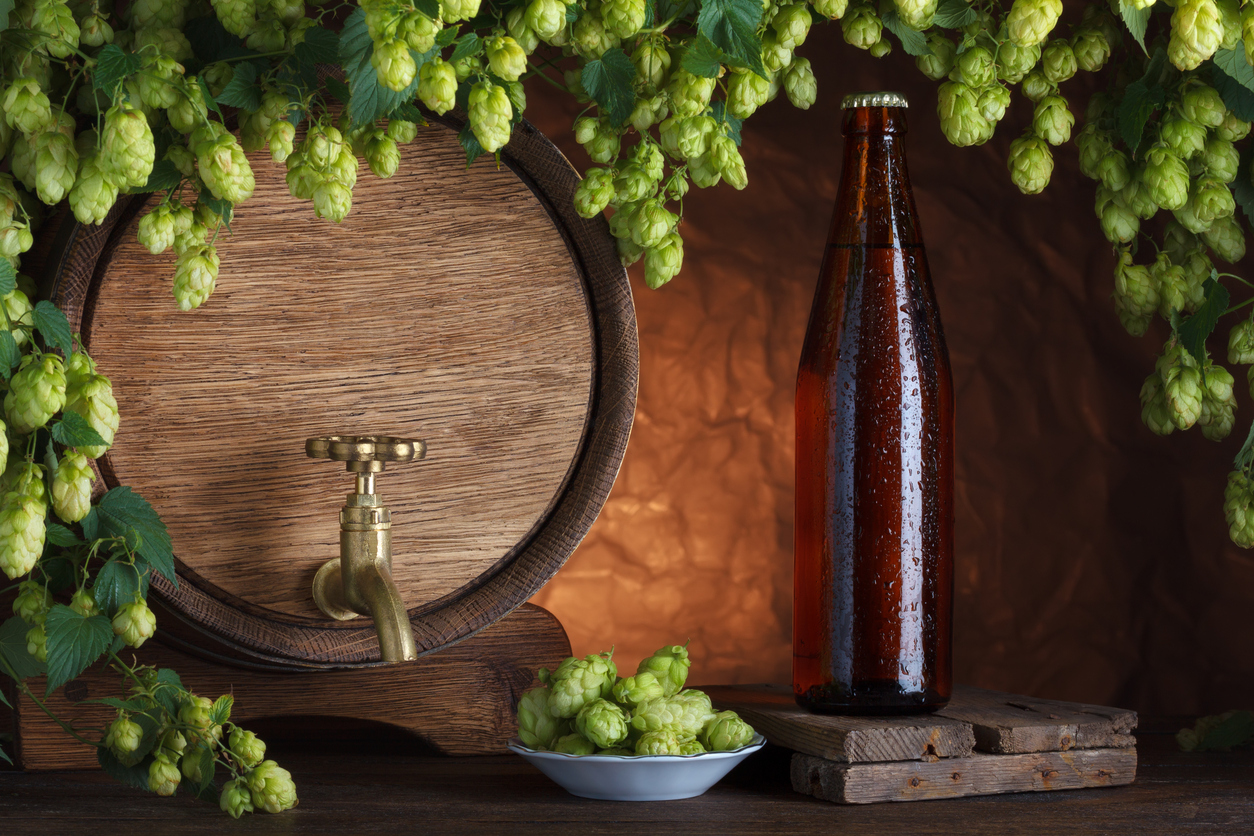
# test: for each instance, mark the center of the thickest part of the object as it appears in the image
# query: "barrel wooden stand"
(467, 306)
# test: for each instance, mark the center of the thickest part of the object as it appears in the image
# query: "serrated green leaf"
(10, 354)
(719, 111)
(702, 58)
(1234, 79)
(220, 206)
(430, 8)
(208, 767)
(207, 95)
(74, 431)
(242, 90)
(136, 704)
(1194, 330)
(13, 650)
(370, 100)
(339, 90)
(954, 14)
(117, 583)
(409, 113)
(113, 66)
(674, 9)
(59, 535)
(470, 144)
(169, 691)
(574, 11)
(132, 776)
(447, 35)
(321, 46)
(74, 642)
(52, 324)
(60, 572)
(608, 80)
(913, 42)
(1138, 104)
(1136, 20)
(6, 7)
(165, 176)
(90, 524)
(469, 46)
(221, 710)
(124, 513)
(8, 277)
(731, 25)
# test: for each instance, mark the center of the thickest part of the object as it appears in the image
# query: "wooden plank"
(462, 700)
(1011, 724)
(771, 710)
(979, 774)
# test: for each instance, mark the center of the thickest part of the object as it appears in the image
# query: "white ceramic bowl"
(637, 777)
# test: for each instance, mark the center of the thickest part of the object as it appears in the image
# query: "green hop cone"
(189, 111)
(1185, 139)
(800, 84)
(1036, 86)
(196, 713)
(33, 602)
(689, 94)
(1238, 498)
(95, 31)
(537, 727)
(55, 20)
(135, 623)
(1182, 385)
(960, 117)
(731, 166)
(506, 58)
(577, 682)
(1233, 128)
(1226, 238)
(653, 63)
(589, 37)
(1166, 177)
(454, 10)
(36, 640)
(394, 64)
(156, 84)
(1196, 33)
(93, 399)
(271, 787)
(622, 18)
(635, 690)
(1240, 349)
(670, 665)
(382, 154)
(25, 106)
(235, 800)
(652, 223)
(1203, 105)
(861, 27)
(437, 85)
(993, 102)
(595, 192)
(695, 135)
(1155, 413)
(248, 748)
(280, 138)
(725, 732)
(1091, 50)
(127, 149)
(418, 31)
(1212, 200)
(691, 746)
(401, 131)
(83, 602)
(36, 393)
(157, 229)
(190, 764)
(975, 68)
(746, 92)
(1136, 294)
(1052, 121)
(917, 14)
(1030, 21)
(195, 276)
(1058, 61)
(574, 744)
(546, 17)
(1031, 164)
(94, 191)
(490, 114)
(122, 737)
(1221, 159)
(1119, 223)
(791, 24)
(224, 168)
(663, 262)
(940, 60)
(662, 741)
(831, 9)
(238, 17)
(56, 165)
(1172, 285)
(1015, 62)
(1218, 404)
(71, 487)
(603, 723)
(163, 777)
(632, 183)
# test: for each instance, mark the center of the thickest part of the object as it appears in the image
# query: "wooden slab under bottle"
(467, 306)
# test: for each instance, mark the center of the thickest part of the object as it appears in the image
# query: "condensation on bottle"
(873, 580)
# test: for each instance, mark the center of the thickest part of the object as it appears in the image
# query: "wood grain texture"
(772, 710)
(1009, 724)
(462, 701)
(472, 308)
(979, 774)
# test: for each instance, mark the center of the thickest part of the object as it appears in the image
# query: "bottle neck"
(875, 205)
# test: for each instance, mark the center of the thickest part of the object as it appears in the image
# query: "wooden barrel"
(466, 306)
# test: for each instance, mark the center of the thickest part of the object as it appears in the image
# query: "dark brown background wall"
(1092, 557)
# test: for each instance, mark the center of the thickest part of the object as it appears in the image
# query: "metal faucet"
(360, 581)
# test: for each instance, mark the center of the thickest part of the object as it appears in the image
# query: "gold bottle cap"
(875, 99)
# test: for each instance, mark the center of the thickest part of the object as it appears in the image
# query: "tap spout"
(366, 575)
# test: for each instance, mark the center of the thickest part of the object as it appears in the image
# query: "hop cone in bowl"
(670, 665)
(537, 727)
(688, 714)
(577, 682)
(726, 731)
(603, 723)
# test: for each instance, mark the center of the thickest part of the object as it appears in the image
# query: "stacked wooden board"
(982, 743)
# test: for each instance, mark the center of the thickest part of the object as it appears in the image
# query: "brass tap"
(360, 581)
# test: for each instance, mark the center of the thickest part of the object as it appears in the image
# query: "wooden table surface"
(389, 789)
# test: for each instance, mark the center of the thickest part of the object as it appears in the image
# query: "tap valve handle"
(365, 453)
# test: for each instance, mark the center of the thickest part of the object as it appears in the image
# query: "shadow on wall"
(1092, 558)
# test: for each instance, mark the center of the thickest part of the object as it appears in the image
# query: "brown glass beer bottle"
(873, 582)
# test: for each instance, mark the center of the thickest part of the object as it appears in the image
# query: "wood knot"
(956, 776)
(914, 782)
